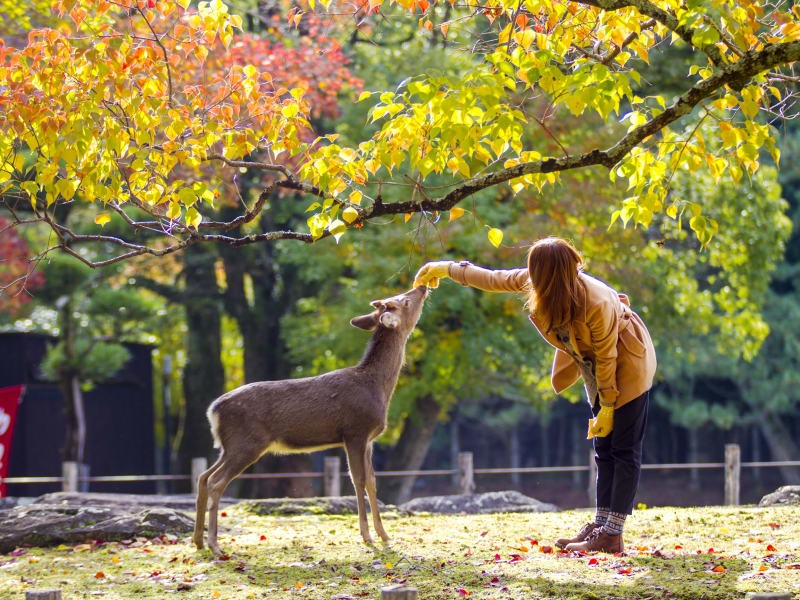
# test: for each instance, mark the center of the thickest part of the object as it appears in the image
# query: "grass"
(688, 553)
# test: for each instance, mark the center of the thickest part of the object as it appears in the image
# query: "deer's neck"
(383, 359)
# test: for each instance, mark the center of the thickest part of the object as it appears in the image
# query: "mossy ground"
(692, 553)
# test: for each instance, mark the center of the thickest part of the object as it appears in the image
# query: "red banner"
(9, 402)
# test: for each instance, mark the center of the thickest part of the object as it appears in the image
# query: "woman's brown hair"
(553, 266)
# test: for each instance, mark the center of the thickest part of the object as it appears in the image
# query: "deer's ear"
(389, 320)
(366, 322)
(376, 303)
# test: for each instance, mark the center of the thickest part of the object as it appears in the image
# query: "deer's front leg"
(356, 453)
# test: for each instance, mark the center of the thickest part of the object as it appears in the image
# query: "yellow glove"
(432, 272)
(602, 424)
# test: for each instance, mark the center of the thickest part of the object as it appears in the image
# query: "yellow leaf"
(363, 95)
(298, 585)
(355, 197)
(495, 236)
(407, 216)
(290, 110)
(174, 210)
(444, 27)
(525, 38)
(102, 219)
(216, 594)
(349, 214)
(456, 212)
(193, 217)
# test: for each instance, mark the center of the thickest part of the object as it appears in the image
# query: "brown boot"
(582, 535)
(598, 541)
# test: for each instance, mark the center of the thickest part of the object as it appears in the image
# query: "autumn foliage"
(123, 103)
(17, 274)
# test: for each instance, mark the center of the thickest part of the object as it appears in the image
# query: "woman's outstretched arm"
(465, 273)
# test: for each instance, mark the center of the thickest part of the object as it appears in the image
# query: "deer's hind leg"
(202, 501)
(356, 455)
(234, 460)
(373, 494)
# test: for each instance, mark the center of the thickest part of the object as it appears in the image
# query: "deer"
(346, 407)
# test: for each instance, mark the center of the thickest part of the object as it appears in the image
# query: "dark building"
(119, 419)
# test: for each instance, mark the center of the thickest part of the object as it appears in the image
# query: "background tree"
(92, 319)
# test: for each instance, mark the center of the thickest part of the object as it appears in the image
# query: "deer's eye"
(406, 302)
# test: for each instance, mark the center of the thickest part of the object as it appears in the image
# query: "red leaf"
(711, 551)
(546, 549)
(678, 547)
(771, 548)
(151, 4)
(99, 575)
(625, 571)
(522, 21)
(775, 525)
(463, 592)
(223, 514)
(497, 557)
(423, 5)
(593, 561)
(719, 569)
(262, 538)
(495, 580)
(515, 558)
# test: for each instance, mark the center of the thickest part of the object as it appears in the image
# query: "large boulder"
(128, 501)
(784, 496)
(490, 502)
(50, 524)
(325, 505)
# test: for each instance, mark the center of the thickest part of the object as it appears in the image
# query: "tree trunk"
(781, 445)
(259, 319)
(204, 376)
(411, 449)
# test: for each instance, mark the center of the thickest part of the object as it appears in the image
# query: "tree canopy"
(146, 111)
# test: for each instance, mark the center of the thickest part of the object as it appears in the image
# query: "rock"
(129, 501)
(490, 502)
(326, 505)
(788, 495)
(49, 525)
(8, 502)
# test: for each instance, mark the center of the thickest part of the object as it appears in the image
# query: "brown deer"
(346, 407)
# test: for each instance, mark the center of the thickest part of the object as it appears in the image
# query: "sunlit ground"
(682, 553)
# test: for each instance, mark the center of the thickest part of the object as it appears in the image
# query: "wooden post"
(466, 478)
(199, 465)
(332, 480)
(399, 592)
(591, 487)
(69, 471)
(733, 470)
(516, 459)
(43, 595)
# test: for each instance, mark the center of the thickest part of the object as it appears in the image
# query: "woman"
(598, 337)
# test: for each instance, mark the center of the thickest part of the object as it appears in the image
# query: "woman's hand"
(602, 424)
(430, 273)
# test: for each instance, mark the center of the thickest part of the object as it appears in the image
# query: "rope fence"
(465, 473)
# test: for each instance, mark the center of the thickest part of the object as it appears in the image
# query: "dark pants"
(619, 456)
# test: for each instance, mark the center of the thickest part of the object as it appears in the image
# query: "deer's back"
(307, 412)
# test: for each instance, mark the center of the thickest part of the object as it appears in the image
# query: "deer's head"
(399, 312)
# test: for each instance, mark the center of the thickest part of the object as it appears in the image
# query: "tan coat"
(606, 331)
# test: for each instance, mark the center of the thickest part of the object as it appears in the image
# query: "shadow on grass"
(680, 577)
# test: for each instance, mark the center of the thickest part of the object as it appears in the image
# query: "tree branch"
(667, 19)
